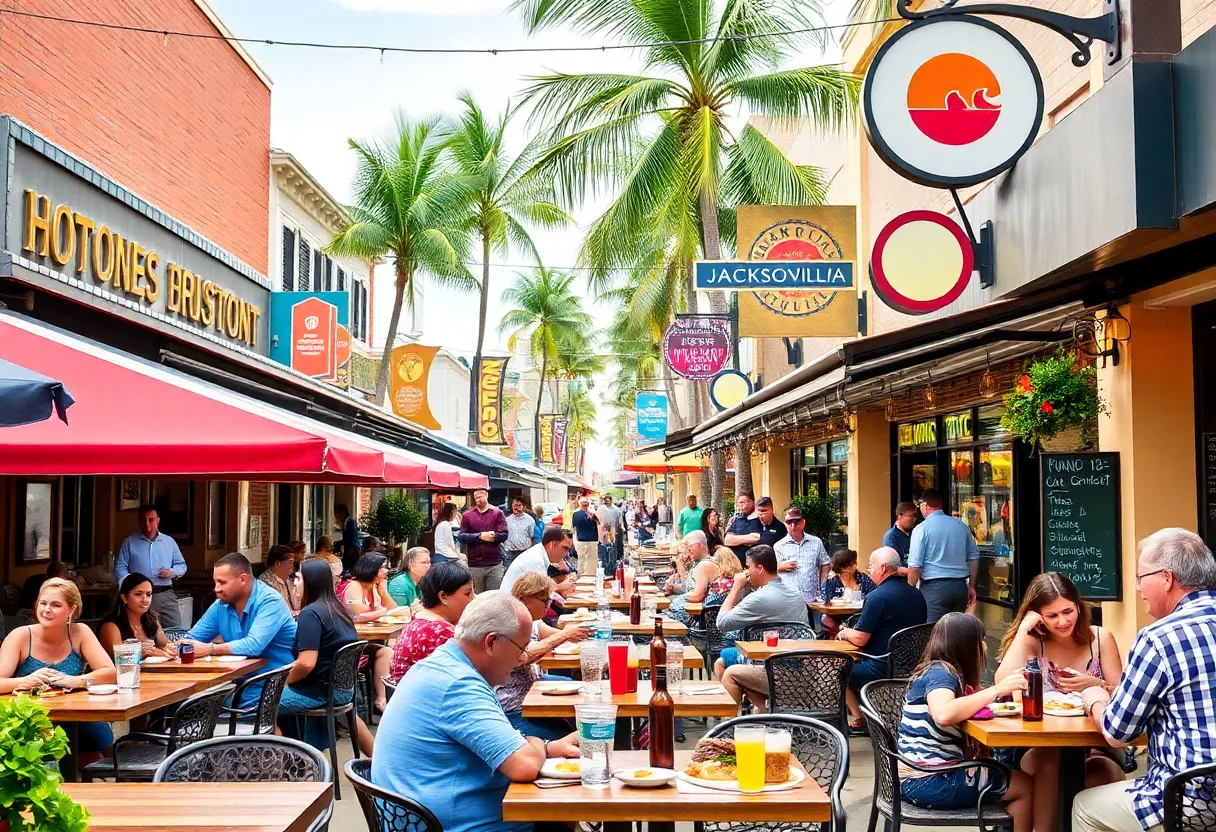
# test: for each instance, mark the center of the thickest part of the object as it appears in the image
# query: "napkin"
(690, 690)
(551, 783)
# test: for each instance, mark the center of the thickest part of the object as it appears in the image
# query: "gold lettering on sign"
(62, 235)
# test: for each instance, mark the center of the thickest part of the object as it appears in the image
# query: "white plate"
(103, 690)
(796, 778)
(1008, 709)
(550, 769)
(566, 649)
(1048, 711)
(656, 777)
(230, 658)
(561, 688)
(155, 660)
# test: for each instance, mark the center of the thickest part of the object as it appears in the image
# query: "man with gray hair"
(1168, 688)
(890, 607)
(470, 750)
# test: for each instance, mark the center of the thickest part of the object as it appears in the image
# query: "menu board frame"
(1106, 458)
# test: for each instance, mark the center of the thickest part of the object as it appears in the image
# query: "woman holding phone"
(1053, 625)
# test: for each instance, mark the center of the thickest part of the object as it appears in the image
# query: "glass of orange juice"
(749, 757)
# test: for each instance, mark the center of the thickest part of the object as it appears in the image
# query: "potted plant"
(1054, 394)
(822, 521)
(394, 519)
(30, 797)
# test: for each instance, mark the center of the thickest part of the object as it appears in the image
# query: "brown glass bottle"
(662, 710)
(1032, 697)
(635, 608)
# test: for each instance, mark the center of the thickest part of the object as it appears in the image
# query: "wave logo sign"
(952, 98)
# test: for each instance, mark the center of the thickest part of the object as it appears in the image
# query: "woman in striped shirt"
(943, 694)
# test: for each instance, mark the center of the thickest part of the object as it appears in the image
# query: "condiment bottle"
(635, 608)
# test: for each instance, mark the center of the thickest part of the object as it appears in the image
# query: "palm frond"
(825, 95)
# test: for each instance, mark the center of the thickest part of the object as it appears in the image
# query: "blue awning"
(27, 396)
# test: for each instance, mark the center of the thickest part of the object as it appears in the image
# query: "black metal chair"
(389, 689)
(254, 759)
(340, 699)
(707, 637)
(367, 678)
(888, 800)
(260, 718)
(1190, 800)
(823, 752)
(138, 754)
(810, 683)
(885, 697)
(387, 811)
(905, 649)
(789, 629)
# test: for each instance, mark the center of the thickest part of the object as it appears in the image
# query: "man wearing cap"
(802, 560)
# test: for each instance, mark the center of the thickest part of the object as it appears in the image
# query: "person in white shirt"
(802, 560)
(521, 527)
(555, 545)
(445, 537)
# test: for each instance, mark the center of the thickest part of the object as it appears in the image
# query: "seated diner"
(131, 616)
(367, 599)
(446, 589)
(403, 587)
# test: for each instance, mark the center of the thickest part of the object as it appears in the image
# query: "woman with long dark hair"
(366, 598)
(943, 694)
(445, 537)
(131, 616)
(323, 627)
(711, 524)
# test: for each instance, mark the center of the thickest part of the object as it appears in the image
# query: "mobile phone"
(1066, 671)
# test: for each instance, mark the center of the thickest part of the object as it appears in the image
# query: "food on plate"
(723, 768)
(1005, 708)
(568, 767)
(643, 773)
(1063, 706)
(708, 748)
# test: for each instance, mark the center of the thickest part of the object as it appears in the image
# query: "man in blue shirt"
(586, 537)
(743, 531)
(892, 606)
(156, 557)
(899, 536)
(942, 558)
(460, 768)
(249, 616)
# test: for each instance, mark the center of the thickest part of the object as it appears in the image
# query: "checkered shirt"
(1169, 690)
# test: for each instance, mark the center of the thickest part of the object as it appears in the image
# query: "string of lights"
(384, 49)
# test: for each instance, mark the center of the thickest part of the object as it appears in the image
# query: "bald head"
(884, 562)
(698, 546)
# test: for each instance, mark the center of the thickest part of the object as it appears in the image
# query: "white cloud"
(432, 7)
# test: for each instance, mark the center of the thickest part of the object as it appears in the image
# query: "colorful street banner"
(408, 376)
(490, 374)
(305, 329)
(777, 232)
(582, 456)
(344, 353)
(697, 348)
(523, 444)
(560, 425)
(652, 417)
(546, 438)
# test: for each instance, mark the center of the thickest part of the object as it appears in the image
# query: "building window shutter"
(363, 312)
(329, 275)
(289, 259)
(341, 280)
(305, 266)
(318, 269)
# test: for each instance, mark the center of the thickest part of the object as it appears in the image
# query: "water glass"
(650, 607)
(596, 732)
(126, 664)
(675, 668)
(592, 658)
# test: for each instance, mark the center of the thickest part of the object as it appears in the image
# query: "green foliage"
(1054, 394)
(821, 518)
(30, 797)
(729, 513)
(394, 518)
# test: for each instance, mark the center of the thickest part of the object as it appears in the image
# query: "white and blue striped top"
(921, 740)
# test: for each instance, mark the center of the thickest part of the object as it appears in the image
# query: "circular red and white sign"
(952, 102)
(921, 262)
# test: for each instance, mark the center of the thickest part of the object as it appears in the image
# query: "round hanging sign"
(952, 102)
(728, 388)
(697, 348)
(921, 262)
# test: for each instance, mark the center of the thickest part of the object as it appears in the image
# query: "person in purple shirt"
(483, 530)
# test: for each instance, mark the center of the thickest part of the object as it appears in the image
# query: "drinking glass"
(592, 656)
(675, 668)
(596, 732)
(650, 607)
(777, 755)
(749, 756)
(618, 666)
(126, 664)
(771, 637)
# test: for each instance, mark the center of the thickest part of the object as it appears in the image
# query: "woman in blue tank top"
(59, 653)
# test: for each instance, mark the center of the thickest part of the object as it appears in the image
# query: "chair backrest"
(886, 768)
(810, 682)
(788, 629)
(245, 760)
(1190, 800)
(885, 697)
(266, 713)
(711, 635)
(175, 633)
(387, 811)
(822, 750)
(196, 718)
(905, 649)
(344, 669)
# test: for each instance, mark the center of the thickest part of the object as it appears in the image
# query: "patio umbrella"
(653, 462)
(27, 396)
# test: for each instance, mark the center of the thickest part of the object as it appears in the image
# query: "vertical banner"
(559, 442)
(652, 417)
(490, 375)
(306, 333)
(546, 437)
(411, 368)
(783, 232)
(523, 444)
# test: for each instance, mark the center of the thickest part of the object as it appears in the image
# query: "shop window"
(962, 491)
(358, 304)
(921, 434)
(76, 531)
(994, 497)
(957, 428)
(924, 475)
(289, 259)
(39, 507)
(838, 451)
(217, 514)
(989, 423)
(838, 495)
(174, 501)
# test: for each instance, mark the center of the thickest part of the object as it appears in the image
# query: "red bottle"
(662, 709)
(635, 608)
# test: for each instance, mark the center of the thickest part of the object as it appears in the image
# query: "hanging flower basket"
(1054, 394)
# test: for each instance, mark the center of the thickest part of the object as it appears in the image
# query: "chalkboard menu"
(1081, 522)
(1209, 477)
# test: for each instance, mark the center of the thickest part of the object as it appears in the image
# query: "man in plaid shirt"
(1168, 687)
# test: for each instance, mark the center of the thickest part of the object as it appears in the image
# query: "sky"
(321, 98)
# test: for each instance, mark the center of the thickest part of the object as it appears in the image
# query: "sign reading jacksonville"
(751, 275)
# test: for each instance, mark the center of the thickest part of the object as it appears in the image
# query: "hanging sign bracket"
(1080, 31)
(982, 246)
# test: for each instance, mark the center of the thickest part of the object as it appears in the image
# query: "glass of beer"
(749, 757)
(777, 755)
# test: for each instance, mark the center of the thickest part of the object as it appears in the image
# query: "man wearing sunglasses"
(802, 560)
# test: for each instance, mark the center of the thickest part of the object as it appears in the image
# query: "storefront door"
(917, 471)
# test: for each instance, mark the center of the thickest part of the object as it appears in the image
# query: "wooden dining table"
(204, 668)
(759, 651)
(230, 807)
(836, 610)
(616, 602)
(377, 631)
(567, 660)
(667, 804)
(622, 627)
(1072, 735)
(632, 705)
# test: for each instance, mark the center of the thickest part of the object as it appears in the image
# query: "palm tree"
(549, 315)
(406, 207)
(662, 139)
(504, 201)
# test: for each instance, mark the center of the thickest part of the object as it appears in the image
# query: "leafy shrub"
(30, 797)
(1054, 394)
(394, 518)
(821, 517)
